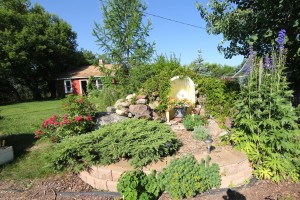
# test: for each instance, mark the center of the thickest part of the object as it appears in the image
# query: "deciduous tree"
(242, 22)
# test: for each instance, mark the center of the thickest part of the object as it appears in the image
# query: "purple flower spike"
(280, 39)
(267, 62)
(272, 64)
(251, 51)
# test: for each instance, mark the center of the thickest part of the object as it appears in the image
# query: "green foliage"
(218, 96)
(200, 133)
(185, 177)
(123, 35)
(107, 97)
(265, 126)
(35, 47)
(240, 22)
(190, 121)
(164, 69)
(75, 105)
(135, 185)
(141, 141)
(78, 120)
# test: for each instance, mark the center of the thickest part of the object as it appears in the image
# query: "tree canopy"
(35, 47)
(245, 22)
(122, 36)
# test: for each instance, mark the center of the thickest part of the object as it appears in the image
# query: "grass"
(26, 117)
(18, 123)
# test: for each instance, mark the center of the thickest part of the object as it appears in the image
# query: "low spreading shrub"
(200, 133)
(141, 141)
(185, 177)
(190, 121)
(135, 185)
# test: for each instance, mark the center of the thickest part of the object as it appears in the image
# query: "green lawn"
(26, 117)
(18, 123)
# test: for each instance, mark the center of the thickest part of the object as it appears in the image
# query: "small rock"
(130, 115)
(125, 104)
(142, 101)
(223, 133)
(154, 105)
(118, 103)
(155, 116)
(228, 123)
(130, 96)
(121, 112)
(141, 97)
(111, 109)
(155, 94)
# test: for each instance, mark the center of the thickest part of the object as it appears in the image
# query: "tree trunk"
(52, 88)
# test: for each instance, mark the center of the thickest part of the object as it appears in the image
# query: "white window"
(68, 86)
(99, 84)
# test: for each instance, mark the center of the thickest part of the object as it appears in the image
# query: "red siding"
(76, 86)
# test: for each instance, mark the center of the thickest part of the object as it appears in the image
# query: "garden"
(61, 138)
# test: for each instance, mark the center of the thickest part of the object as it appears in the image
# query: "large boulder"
(140, 111)
(108, 118)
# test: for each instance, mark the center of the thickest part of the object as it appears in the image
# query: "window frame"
(66, 87)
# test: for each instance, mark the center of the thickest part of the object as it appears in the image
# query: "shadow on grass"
(20, 142)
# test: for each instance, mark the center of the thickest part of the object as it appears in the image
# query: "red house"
(75, 81)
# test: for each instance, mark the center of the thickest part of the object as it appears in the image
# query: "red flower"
(36, 136)
(88, 118)
(78, 118)
(38, 132)
(65, 117)
(80, 100)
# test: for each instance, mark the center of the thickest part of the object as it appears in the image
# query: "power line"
(172, 20)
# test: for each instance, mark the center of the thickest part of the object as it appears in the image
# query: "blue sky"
(184, 41)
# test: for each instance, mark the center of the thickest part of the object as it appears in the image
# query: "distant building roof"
(84, 72)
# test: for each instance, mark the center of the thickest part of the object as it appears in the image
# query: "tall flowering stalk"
(266, 127)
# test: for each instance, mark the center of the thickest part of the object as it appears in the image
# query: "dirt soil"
(69, 186)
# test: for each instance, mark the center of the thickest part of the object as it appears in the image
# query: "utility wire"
(172, 20)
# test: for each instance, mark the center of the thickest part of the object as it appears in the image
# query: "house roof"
(84, 72)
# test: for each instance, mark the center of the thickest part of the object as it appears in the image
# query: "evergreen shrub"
(140, 141)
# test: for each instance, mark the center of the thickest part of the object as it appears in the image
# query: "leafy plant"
(179, 103)
(200, 133)
(217, 96)
(56, 128)
(135, 185)
(190, 121)
(265, 126)
(140, 141)
(76, 105)
(78, 120)
(185, 177)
